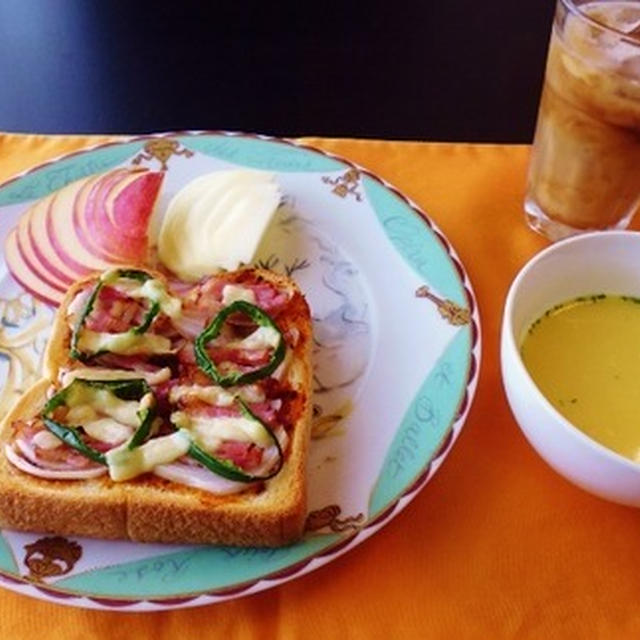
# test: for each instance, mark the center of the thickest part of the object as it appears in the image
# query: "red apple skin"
(33, 268)
(36, 218)
(25, 277)
(133, 206)
(129, 209)
(44, 261)
(117, 216)
(85, 251)
(29, 254)
(87, 223)
(62, 230)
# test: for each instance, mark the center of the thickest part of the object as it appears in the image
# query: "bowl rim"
(511, 343)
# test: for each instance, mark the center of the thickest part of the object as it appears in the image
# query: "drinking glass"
(584, 172)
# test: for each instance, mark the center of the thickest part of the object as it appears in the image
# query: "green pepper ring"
(229, 470)
(213, 330)
(133, 389)
(153, 311)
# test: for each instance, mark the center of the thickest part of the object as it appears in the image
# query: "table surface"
(497, 545)
(457, 71)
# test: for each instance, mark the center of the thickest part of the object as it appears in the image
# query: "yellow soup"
(584, 356)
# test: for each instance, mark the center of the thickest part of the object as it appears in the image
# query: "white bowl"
(588, 264)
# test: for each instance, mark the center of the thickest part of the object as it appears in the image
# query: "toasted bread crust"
(151, 509)
(95, 507)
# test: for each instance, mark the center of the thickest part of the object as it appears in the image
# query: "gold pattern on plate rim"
(51, 557)
(453, 313)
(346, 184)
(328, 517)
(24, 323)
(161, 149)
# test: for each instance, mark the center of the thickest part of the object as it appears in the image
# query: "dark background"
(429, 70)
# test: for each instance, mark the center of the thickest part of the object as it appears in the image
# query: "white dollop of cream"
(217, 221)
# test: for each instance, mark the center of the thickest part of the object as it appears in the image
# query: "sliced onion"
(44, 439)
(198, 477)
(52, 474)
(215, 395)
(29, 452)
(269, 459)
(190, 325)
(78, 303)
(293, 336)
(281, 371)
(180, 288)
(270, 455)
(194, 475)
(103, 373)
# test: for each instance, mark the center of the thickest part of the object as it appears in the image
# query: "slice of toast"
(149, 508)
(161, 511)
(94, 507)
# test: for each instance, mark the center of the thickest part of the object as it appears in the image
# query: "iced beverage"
(585, 165)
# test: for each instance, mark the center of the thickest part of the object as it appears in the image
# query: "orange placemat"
(496, 546)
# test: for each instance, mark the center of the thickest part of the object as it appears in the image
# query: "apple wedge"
(52, 257)
(25, 277)
(31, 252)
(116, 218)
(78, 224)
(65, 231)
(126, 214)
(87, 229)
(135, 195)
(89, 225)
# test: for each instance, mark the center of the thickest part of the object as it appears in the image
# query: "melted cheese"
(86, 403)
(209, 432)
(79, 414)
(126, 344)
(217, 395)
(151, 289)
(125, 464)
(100, 373)
(46, 440)
(211, 394)
(108, 430)
(261, 338)
(233, 292)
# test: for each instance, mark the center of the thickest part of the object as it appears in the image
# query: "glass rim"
(575, 9)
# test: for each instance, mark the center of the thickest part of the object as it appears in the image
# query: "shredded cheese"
(126, 344)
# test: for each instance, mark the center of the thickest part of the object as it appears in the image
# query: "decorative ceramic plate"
(397, 349)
